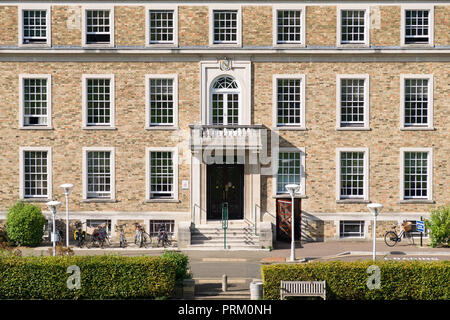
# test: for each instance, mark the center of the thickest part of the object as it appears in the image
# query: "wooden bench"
(303, 289)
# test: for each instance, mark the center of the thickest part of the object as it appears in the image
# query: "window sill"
(35, 128)
(99, 201)
(162, 128)
(162, 45)
(35, 199)
(352, 201)
(289, 128)
(352, 45)
(353, 129)
(225, 45)
(98, 128)
(35, 45)
(288, 45)
(417, 45)
(286, 195)
(417, 201)
(417, 129)
(98, 46)
(162, 201)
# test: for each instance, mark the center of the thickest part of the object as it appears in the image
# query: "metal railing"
(225, 223)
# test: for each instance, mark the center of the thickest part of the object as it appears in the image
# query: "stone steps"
(212, 236)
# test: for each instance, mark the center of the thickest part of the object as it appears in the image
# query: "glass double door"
(225, 108)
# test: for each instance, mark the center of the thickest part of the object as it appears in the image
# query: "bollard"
(256, 291)
(224, 283)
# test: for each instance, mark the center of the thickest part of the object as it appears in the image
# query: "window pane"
(352, 175)
(225, 26)
(352, 26)
(35, 174)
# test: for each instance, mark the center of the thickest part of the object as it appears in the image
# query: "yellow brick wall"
(385, 26)
(384, 140)
(66, 25)
(193, 26)
(129, 26)
(321, 25)
(8, 25)
(67, 139)
(257, 26)
(442, 25)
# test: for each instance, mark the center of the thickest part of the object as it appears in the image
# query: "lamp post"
(53, 205)
(67, 188)
(292, 189)
(375, 209)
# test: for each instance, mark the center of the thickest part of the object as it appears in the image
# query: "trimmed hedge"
(102, 277)
(416, 280)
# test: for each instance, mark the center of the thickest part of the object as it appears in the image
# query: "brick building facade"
(130, 101)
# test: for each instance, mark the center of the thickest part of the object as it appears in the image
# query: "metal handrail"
(225, 223)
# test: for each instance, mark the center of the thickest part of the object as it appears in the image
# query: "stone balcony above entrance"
(248, 137)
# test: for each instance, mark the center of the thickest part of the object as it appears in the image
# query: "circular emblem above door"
(225, 64)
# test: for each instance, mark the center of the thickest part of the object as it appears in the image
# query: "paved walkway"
(308, 251)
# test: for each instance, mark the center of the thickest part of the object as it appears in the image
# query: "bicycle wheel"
(408, 235)
(390, 238)
(146, 240)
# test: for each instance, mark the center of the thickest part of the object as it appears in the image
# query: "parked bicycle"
(141, 238)
(392, 238)
(163, 237)
(80, 235)
(98, 235)
(122, 238)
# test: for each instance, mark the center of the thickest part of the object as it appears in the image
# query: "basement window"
(352, 229)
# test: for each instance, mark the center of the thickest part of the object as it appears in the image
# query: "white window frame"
(363, 231)
(112, 170)
(366, 25)
(428, 77)
(224, 92)
(84, 112)
(275, 157)
(168, 7)
(148, 77)
(366, 78)
(302, 124)
(429, 174)
(22, 125)
(84, 26)
(175, 162)
(365, 196)
(429, 7)
(287, 7)
(41, 7)
(237, 8)
(22, 150)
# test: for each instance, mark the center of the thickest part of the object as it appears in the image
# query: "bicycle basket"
(90, 230)
(407, 226)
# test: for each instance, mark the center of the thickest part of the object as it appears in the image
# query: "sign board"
(185, 184)
(420, 226)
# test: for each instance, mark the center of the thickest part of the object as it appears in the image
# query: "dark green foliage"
(348, 280)
(102, 277)
(25, 224)
(182, 264)
(439, 226)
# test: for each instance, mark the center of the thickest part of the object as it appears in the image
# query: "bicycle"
(122, 238)
(164, 238)
(80, 235)
(391, 238)
(98, 235)
(141, 237)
